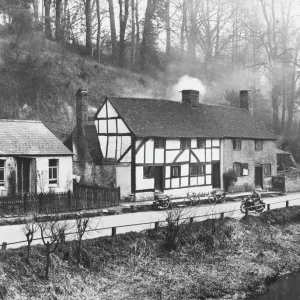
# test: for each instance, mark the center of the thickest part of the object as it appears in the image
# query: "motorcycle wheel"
(223, 199)
(212, 200)
(243, 208)
(188, 202)
(261, 207)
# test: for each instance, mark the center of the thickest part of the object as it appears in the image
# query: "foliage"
(229, 178)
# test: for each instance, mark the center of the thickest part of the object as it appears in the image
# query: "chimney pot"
(246, 100)
(191, 97)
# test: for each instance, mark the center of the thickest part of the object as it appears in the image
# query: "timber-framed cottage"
(180, 147)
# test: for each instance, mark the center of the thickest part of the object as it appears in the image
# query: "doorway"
(258, 177)
(159, 179)
(23, 169)
(216, 175)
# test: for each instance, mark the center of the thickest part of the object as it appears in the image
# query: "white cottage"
(32, 159)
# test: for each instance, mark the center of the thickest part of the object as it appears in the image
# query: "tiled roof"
(164, 118)
(20, 137)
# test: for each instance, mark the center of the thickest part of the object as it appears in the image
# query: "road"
(103, 224)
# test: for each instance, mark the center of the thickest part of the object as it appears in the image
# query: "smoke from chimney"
(187, 82)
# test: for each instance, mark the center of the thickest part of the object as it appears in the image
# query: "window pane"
(1, 174)
(200, 143)
(148, 172)
(53, 162)
(2, 163)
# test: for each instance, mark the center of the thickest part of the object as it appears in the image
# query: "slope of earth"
(39, 79)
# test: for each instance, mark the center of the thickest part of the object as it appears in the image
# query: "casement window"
(53, 171)
(175, 171)
(197, 169)
(241, 169)
(267, 170)
(237, 144)
(148, 172)
(200, 143)
(258, 145)
(159, 143)
(2, 172)
(185, 143)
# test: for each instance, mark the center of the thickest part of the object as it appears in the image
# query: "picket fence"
(82, 198)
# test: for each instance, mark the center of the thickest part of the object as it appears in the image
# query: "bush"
(229, 178)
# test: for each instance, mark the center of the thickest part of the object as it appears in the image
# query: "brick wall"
(249, 155)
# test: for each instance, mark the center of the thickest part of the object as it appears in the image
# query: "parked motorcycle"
(215, 197)
(253, 203)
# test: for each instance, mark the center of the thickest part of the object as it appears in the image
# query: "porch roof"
(29, 138)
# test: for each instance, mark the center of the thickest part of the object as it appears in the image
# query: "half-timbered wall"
(114, 135)
(170, 155)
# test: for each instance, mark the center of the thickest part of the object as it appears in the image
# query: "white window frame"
(53, 180)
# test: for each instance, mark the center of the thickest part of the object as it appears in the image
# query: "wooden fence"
(83, 197)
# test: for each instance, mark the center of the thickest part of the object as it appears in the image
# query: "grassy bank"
(215, 259)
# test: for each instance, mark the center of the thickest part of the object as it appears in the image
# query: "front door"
(23, 166)
(258, 177)
(216, 175)
(158, 179)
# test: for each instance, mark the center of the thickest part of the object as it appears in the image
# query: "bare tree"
(88, 24)
(48, 31)
(112, 30)
(98, 30)
(29, 230)
(123, 21)
(82, 224)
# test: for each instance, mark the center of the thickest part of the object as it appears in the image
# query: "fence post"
(222, 216)
(191, 220)
(113, 231)
(25, 199)
(268, 207)
(4, 246)
(156, 225)
(287, 204)
(69, 199)
(119, 195)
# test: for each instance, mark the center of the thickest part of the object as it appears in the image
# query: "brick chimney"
(81, 109)
(191, 97)
(246, 100)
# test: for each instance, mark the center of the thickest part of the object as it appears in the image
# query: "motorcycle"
(252, 204)
(214, 197)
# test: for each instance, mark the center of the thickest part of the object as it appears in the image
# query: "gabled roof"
(29, 138)
(164, 118)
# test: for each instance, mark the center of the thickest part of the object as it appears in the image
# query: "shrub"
(229, 178)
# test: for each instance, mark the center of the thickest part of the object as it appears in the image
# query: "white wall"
(65, 174)
(124, 179)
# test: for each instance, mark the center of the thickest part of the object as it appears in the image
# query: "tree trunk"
(168, 30)
(47, 260)
(113, 30)
(36, 11)
(183, 26)
(88, 24)
(132, 50)
(98, 30)
(123, 23)
(148, 30)
(58, 10)
(137, 49)
(48, 32)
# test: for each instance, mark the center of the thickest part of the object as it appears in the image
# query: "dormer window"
(2, 172)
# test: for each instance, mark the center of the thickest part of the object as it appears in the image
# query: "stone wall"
(104, 175)
(249, 155)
